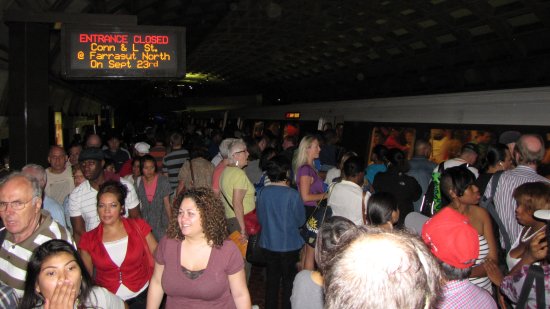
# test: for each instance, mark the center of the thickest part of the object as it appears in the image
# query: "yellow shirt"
(235, 178)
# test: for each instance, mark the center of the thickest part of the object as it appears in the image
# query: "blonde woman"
(309, 184)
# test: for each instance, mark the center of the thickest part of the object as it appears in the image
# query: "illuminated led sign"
(94, 51)
(292, 115)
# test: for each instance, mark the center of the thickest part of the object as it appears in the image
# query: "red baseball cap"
(451, 238)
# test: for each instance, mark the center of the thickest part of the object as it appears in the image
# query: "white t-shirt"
(83, 202)
(59, 186)
(331, 174)
(345, 198)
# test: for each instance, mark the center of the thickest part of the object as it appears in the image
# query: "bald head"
(93, 141)
(57, 149)
(381, 269)
(57, 159)
(529, 149)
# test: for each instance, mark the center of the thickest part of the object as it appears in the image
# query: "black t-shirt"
(404, 187)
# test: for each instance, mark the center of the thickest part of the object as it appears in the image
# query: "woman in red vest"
(119, 249)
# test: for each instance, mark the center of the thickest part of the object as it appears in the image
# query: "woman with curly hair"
(194, 263)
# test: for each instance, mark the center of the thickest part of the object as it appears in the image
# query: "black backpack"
(432, 199)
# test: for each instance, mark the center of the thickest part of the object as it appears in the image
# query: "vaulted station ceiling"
(298, 50)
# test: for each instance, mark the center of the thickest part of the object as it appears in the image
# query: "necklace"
(525, 239)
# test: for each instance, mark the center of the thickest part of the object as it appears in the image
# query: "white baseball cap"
(543, 214)
(142, 147)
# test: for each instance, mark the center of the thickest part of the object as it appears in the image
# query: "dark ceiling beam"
(60, 5)
(25, 4)
(541, 10)
(99, 6)
(72, 18)
(139, 7)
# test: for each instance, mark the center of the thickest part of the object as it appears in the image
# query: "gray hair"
(382, 269)
(224, 147)
(36, 171)
(528, 156)
(233, 148)
(453, 273)
(36, 189)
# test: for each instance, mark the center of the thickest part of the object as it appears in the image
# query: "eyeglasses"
(15, 205)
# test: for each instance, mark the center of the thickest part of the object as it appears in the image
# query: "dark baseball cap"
(509, 137)
(91, 154)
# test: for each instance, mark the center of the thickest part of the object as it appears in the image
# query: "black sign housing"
(128, 52)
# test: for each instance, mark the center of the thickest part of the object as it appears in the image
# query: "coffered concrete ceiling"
(306, 51)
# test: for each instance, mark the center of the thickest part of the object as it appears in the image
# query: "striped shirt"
(172, 163)
(15, 256)
(158, 152)
(482, 282)
(505, 204)
(83, 202)
(8, 298)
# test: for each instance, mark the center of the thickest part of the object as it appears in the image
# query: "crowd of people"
(155, 222)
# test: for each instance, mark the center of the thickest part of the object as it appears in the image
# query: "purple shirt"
(209, 290)
(317, 185)
(462, 294)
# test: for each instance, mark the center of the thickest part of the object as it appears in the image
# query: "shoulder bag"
(192, 174)
(255, 254)
(322, 211)
(251, 223)
(535, 272)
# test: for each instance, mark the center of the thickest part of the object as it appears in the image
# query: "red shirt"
(158, 152)
(126, 168)
(133, 272)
